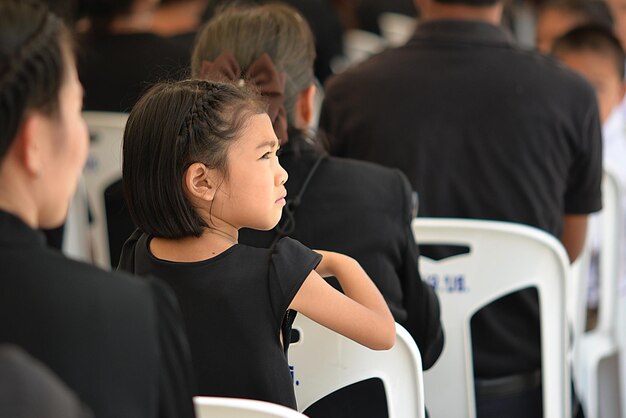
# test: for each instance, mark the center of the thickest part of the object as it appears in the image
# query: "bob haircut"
(174, 125)
(34, 45)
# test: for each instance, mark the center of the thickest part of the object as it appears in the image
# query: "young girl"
(199, 164)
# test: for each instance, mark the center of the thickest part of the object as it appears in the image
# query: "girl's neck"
(191, 249)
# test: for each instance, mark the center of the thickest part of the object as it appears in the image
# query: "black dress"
(234, 305)
(116, 341)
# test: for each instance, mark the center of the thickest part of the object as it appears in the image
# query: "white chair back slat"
(324, 361)
(503, 257)
(218, 407)
(104, 167)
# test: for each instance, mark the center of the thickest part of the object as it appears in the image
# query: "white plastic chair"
(621, 342)
(217, 407)
(396, 28)
(596, 371)
(76, 234)
(324, 361)
(104, 166)
(577, 291)
(503, 258)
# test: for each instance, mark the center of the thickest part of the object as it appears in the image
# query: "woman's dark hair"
(33, 46)
(174, 125)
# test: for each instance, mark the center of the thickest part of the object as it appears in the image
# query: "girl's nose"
(282, 175)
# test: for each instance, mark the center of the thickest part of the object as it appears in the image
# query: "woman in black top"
(199, 163)
(352, 207)
(115, 341)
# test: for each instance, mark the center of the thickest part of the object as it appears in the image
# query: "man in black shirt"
(483, 130)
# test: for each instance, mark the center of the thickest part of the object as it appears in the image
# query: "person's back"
(115, 341)
(482, 130)
(241, 296)
(30, 389)
(102, 334)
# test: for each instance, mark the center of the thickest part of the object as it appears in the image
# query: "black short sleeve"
(583, 194)
(291, 262)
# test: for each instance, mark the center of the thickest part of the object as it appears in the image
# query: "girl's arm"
(360, 314)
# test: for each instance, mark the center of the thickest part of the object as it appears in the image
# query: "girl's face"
(66, 151)
(253, 193)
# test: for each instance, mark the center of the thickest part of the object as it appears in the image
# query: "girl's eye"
(266, 156)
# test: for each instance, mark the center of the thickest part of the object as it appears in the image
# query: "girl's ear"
(200, 182)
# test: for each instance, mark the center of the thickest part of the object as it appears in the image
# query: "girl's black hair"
(174, 125)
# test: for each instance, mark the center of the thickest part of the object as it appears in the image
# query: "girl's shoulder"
(291, 257)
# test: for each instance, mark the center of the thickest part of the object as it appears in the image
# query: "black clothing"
(117, 342)
(362, 210)
(233, 305)
(29, 389)
(54, 237)
(483, 130)
(115, 69)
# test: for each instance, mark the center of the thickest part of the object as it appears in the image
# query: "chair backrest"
(612, 297)
(611, 242)
(216, 407)
(104, 166)
(577, 291)
(609, 238)
(503, 258)
(76, 234)
(324, 361)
